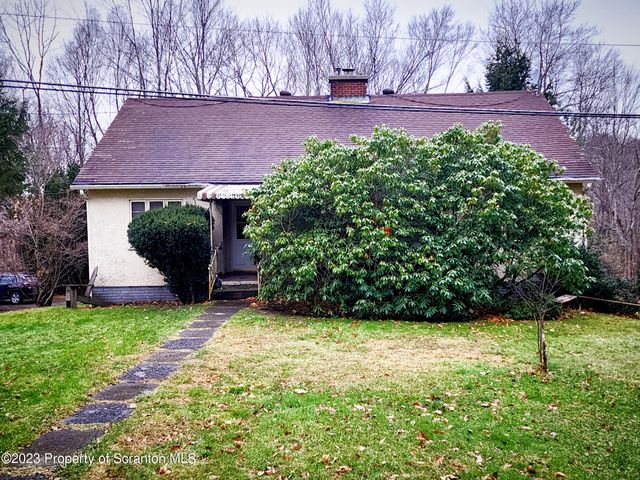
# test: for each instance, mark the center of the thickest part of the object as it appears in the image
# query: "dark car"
(17, 287)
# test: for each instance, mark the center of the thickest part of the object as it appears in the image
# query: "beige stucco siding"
(108, 216)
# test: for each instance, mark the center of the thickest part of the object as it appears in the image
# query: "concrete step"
(235, 292)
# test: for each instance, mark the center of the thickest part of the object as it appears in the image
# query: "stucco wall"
(108, 216)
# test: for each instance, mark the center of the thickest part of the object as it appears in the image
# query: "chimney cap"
(285, 93)
(348, 78)
(344, 71)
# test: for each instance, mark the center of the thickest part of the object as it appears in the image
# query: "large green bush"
(175, 240)
(398, 226)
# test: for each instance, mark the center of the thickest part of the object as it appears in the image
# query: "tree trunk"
(542, 345)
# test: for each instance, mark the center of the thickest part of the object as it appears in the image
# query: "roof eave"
(129, 186)
(579, 179)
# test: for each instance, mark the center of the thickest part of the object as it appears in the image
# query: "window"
(241, 221)
(138, 207)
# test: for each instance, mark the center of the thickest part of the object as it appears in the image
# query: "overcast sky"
(617, 20)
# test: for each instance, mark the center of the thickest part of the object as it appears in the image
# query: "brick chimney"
(347, 87)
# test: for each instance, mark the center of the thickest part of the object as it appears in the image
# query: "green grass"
(50, 358)
(328, 398)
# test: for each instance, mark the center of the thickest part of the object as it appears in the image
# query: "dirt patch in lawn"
(276, 356)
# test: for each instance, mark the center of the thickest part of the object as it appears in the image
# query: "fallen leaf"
(342, 469)
(300, 391)
(559, 475)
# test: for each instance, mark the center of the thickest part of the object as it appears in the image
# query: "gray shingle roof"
(178, 141)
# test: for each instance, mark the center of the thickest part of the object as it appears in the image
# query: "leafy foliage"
(398, 226)
(13, 124)
(175, 240)
(507, 69)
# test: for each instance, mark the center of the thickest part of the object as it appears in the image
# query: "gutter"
(149, 186)
(136, 186)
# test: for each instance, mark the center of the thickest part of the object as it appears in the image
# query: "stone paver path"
(114, 403)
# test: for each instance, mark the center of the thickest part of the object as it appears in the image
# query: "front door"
(240, 258)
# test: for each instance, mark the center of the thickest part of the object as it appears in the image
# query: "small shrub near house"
(405, 227)
(175, 240)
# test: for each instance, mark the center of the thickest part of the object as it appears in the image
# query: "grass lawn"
(50, 358)
(287, 397)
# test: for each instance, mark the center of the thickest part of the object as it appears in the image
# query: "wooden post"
(71, 297)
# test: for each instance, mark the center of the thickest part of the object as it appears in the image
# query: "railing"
(259, 277)
(213, 271)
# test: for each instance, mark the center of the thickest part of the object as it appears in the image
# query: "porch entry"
(239, 243)
(227, 205)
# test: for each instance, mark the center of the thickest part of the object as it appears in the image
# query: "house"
(163, 151)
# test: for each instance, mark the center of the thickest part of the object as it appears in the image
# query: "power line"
(280, 101)
(289, 32)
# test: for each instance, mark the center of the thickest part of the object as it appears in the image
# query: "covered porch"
(230, 259)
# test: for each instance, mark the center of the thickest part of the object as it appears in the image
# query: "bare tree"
(538, 293)
(82, 63)
(123, 70)
(439, 44)
(164, 17)
(46, 148)
(263, 43)
(546, 31)
(46, 237)
(204, 42)
(377, 29)
(128, 48)
(601, 82)
(322, 39)
(29, 35)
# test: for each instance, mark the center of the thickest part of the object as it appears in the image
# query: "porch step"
(235, 292)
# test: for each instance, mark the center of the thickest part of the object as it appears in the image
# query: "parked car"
(17, 287)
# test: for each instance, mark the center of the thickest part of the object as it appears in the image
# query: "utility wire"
(209, 100)
(288, 32)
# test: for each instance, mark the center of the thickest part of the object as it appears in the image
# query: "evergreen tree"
(507, 69)
(13, 124)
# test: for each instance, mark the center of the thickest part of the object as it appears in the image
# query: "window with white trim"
(138, 207)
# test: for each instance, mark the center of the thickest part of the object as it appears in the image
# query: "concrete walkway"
(114, 403)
